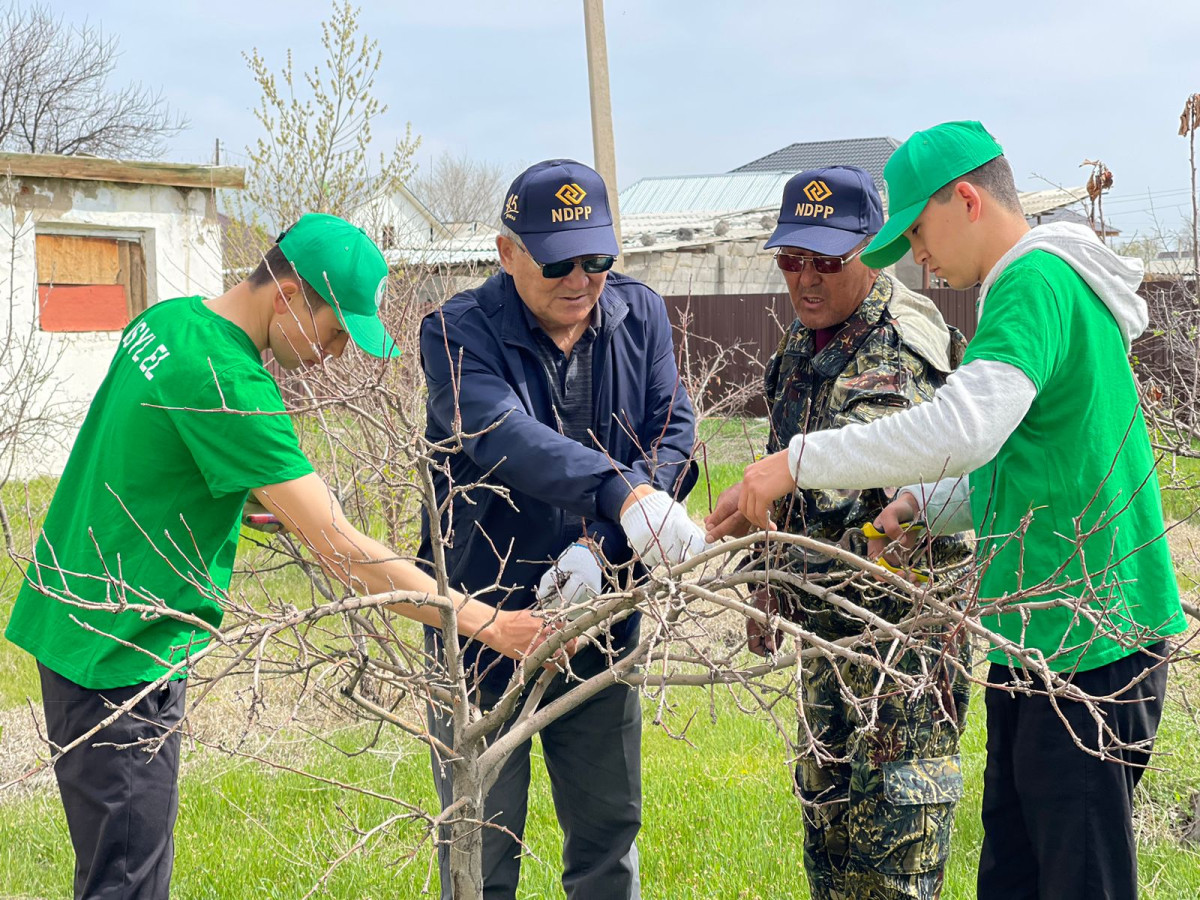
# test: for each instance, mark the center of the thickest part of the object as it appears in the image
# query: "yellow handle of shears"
(870, 532)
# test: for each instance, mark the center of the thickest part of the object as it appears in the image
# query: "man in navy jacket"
(560, 376)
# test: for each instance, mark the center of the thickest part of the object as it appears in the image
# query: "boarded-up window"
(89, 283)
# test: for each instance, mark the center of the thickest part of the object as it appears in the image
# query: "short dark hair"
(275, 266)
(994, 176)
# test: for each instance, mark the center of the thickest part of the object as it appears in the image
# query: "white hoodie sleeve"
(959, 430)
(944, 505)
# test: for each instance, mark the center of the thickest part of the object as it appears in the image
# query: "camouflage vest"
(866, 371)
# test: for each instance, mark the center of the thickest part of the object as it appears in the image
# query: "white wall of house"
(399, 221)
(728, 267)
(181, 242)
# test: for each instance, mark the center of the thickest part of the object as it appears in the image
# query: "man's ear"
(285, 289)
(972, 197)
(507, 251)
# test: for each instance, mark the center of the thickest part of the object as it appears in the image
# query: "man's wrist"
(908, 497)
(588, 544)
(640, 491)
(793, 453)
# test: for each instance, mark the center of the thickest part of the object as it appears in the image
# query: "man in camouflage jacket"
(878, 770)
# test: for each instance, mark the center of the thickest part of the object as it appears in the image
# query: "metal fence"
(754, 324)
(751, 325)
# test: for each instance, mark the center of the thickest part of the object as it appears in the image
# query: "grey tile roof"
(866, 153)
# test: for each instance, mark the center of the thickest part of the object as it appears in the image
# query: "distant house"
(85, 245)
(460, 260)
(703, 234)
(1075, 216)
(870, 154)
(400, 221)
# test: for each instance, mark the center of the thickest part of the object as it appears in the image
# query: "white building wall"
(730, 267)
(181, 241)
(410, 225)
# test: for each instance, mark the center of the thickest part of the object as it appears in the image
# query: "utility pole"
(602, 130)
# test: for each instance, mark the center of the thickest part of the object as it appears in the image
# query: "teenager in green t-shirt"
(186, 425)
(1044, 417)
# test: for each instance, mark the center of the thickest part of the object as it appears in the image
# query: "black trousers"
(593, 756)
(1057, 822)
(120, 803)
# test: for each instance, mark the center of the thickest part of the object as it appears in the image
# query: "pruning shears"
(871, 533)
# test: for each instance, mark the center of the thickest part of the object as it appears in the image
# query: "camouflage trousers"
(879, 792)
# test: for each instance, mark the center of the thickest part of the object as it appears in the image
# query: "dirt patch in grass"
(278, 721)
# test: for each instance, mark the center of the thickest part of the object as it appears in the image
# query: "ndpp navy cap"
(828, 210)
(559, 209)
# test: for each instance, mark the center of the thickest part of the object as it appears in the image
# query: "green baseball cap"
(348, 270)
(921, 166)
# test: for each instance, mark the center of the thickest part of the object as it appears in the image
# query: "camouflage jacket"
(895, 351)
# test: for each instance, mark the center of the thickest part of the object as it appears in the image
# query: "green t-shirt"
(149, 505)
(1079, 464)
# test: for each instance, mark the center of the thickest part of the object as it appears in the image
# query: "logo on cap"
(816, 191)
(510, 207)
(571, 194)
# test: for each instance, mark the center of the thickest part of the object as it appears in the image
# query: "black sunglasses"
(823, 265)
(592, 265)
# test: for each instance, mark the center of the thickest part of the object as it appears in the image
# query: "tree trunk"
(466, 834)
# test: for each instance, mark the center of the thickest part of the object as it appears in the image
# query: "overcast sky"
(701, 86)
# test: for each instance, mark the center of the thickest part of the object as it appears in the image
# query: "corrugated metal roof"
(1035, 203)
(659, 232)
(732, 192)
(866, 153)
(475, 243)
(1073, 216)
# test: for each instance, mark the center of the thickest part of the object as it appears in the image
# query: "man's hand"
(574, 578)
(895, 521)
(258, 517)
(761, 640)
(725, 519)
(763, 483)
(517, 633)
(659, 530)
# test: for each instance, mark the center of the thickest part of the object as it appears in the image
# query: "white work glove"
(659, 530)
(575, 577)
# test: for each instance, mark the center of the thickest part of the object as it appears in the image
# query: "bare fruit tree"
(300, 652)
(56, 94)
(299, 639)
(331, 649)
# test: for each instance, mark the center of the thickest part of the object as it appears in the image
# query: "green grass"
(26, 504)
(1179, 478)
(720, 820)
(725, 448)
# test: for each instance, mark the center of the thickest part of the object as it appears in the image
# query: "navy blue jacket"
(480, 360)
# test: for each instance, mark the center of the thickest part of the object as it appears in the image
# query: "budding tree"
(316, 152)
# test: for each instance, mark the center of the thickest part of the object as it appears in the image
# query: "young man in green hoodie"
(1044, 417)
(136, 553)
